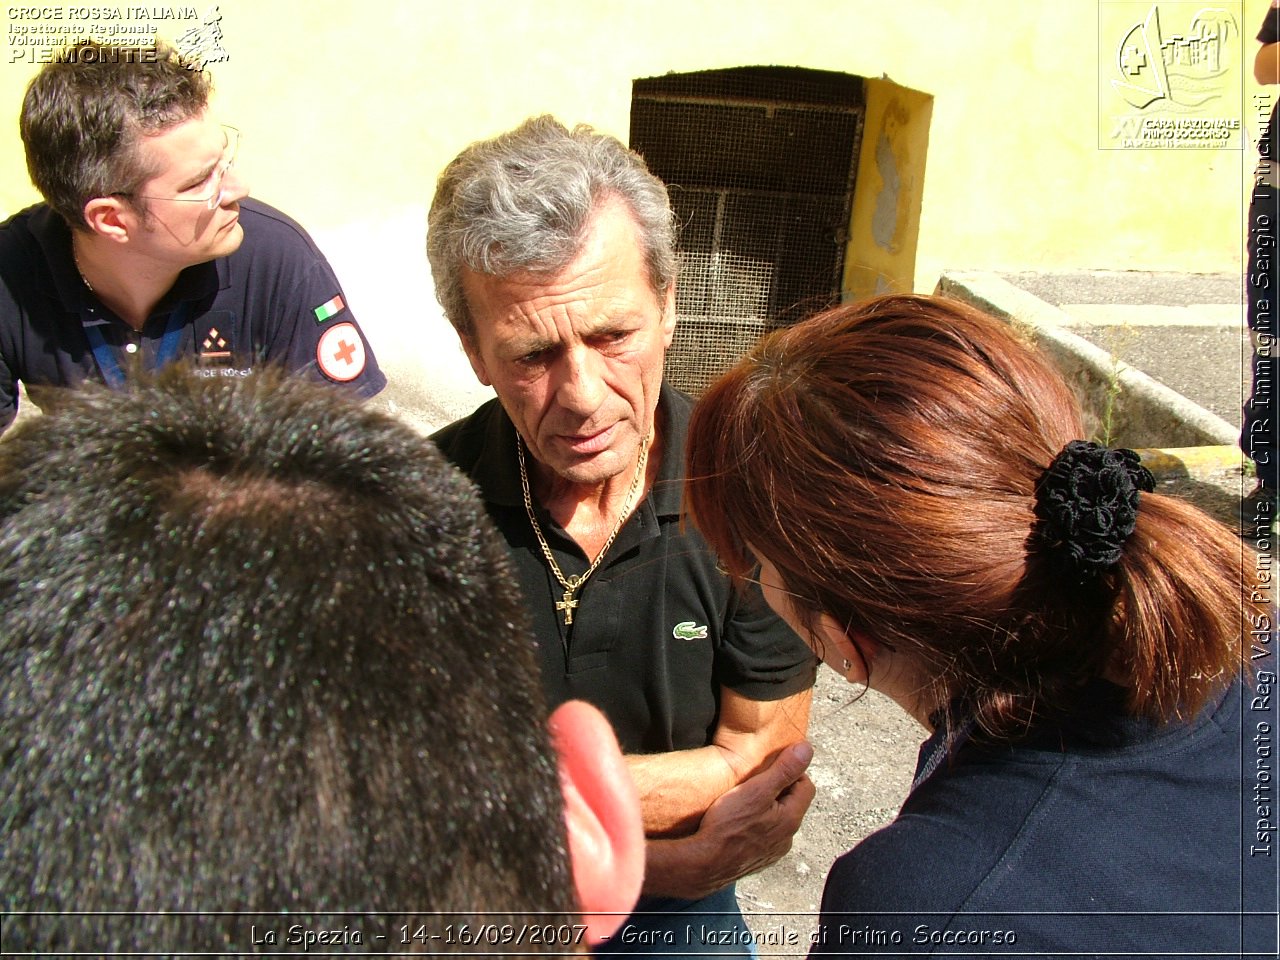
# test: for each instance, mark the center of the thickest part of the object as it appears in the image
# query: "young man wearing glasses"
(147, 248)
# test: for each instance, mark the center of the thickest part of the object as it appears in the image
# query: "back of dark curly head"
(885, 457)
(261, 651)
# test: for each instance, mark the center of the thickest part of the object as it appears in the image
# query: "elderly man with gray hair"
(553, 253)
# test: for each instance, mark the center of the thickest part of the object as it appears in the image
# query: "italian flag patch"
(330, 309)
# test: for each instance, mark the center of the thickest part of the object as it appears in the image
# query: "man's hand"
(745, 830)
(677, 788)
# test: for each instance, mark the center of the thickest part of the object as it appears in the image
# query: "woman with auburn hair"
(906, 480)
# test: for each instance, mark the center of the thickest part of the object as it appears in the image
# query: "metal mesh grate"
(760, 163)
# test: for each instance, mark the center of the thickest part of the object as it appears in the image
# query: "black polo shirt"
(274, 300)
(658, 631)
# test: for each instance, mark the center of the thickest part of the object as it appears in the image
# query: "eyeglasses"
(211, 190)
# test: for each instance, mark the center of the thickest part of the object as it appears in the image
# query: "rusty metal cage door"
(760, 163)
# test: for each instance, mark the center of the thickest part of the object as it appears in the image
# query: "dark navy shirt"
(658, 630)
(274, 300)
(1108, 836)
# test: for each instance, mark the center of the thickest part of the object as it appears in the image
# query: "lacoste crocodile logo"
(688, 630)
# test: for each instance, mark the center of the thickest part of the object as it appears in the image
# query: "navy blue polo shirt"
(1104, 835)
(274, 300)
(658, 630)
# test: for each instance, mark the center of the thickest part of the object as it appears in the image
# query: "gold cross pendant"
(567, 605)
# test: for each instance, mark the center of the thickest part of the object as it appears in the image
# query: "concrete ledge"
(1143, 413)
(1181, 462)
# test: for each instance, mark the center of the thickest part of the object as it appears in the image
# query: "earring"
(845, 666)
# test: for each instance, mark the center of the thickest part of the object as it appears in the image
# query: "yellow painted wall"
(350, 110)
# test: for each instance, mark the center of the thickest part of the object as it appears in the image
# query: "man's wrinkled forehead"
(493, 261)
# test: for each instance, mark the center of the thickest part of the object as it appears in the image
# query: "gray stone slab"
(1139, 287)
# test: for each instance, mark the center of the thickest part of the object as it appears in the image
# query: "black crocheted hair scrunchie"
(1087, 505)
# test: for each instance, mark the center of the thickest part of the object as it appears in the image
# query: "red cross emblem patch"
(340, 352)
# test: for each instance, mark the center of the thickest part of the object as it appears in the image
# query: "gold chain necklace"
(83, 278)
(79, 269)
(573, 584)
